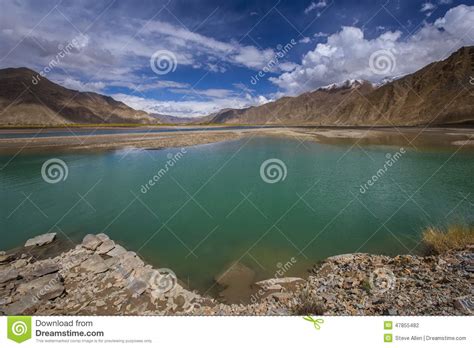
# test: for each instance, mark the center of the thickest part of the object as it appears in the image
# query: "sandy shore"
(408, 137)
(116, 141)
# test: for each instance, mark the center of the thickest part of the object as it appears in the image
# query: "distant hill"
(439, 93)
(179, 120)
(24, 103)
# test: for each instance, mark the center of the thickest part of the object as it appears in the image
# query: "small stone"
(281, 296)
(465, 304)
(391, 311)
(40, 240)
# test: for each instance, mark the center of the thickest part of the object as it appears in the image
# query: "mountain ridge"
(439, 93)
(24, 92)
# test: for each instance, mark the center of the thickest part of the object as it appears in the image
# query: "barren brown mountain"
(26, 101)
(439, 93)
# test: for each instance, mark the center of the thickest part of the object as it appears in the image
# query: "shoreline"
(100, 277)
(409, 137)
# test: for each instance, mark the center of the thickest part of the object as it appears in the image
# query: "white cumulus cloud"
(346, 54)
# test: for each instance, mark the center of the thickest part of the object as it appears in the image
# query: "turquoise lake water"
(212, 208)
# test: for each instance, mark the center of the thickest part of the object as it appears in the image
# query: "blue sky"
(190, 58)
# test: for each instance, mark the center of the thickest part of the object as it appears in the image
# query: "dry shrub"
(454, 237)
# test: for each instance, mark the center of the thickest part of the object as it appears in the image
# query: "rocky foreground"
(100, 277)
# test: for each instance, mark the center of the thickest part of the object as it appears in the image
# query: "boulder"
(42, 268)
(105, 247)
(6, 258)
(40, 240)
(103, 237)
(43, 288)
(128, 262)
(95, 264)
(24, 305)
(8, 274)
(117, 251)
(91, 242)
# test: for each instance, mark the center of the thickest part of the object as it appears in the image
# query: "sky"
(193, 58)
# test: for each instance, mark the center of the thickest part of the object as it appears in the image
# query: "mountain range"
(26, 98)
(441, 93)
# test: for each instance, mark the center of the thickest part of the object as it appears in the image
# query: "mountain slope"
(24, 103)
(439, 93)
(168, 119)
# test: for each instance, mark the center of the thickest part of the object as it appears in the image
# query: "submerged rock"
(99, 277)
(40, 240)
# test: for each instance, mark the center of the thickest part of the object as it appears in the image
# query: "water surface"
(212, 208)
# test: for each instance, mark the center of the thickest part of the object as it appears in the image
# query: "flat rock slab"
(6, 258)
(95, 264)
(43, 268)
(43, 288)
(103, 237)
(91, 242)
(40, 240)
(8, 274)
(117, 251)
(279, 281)
(105, 247)
(23, 306)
